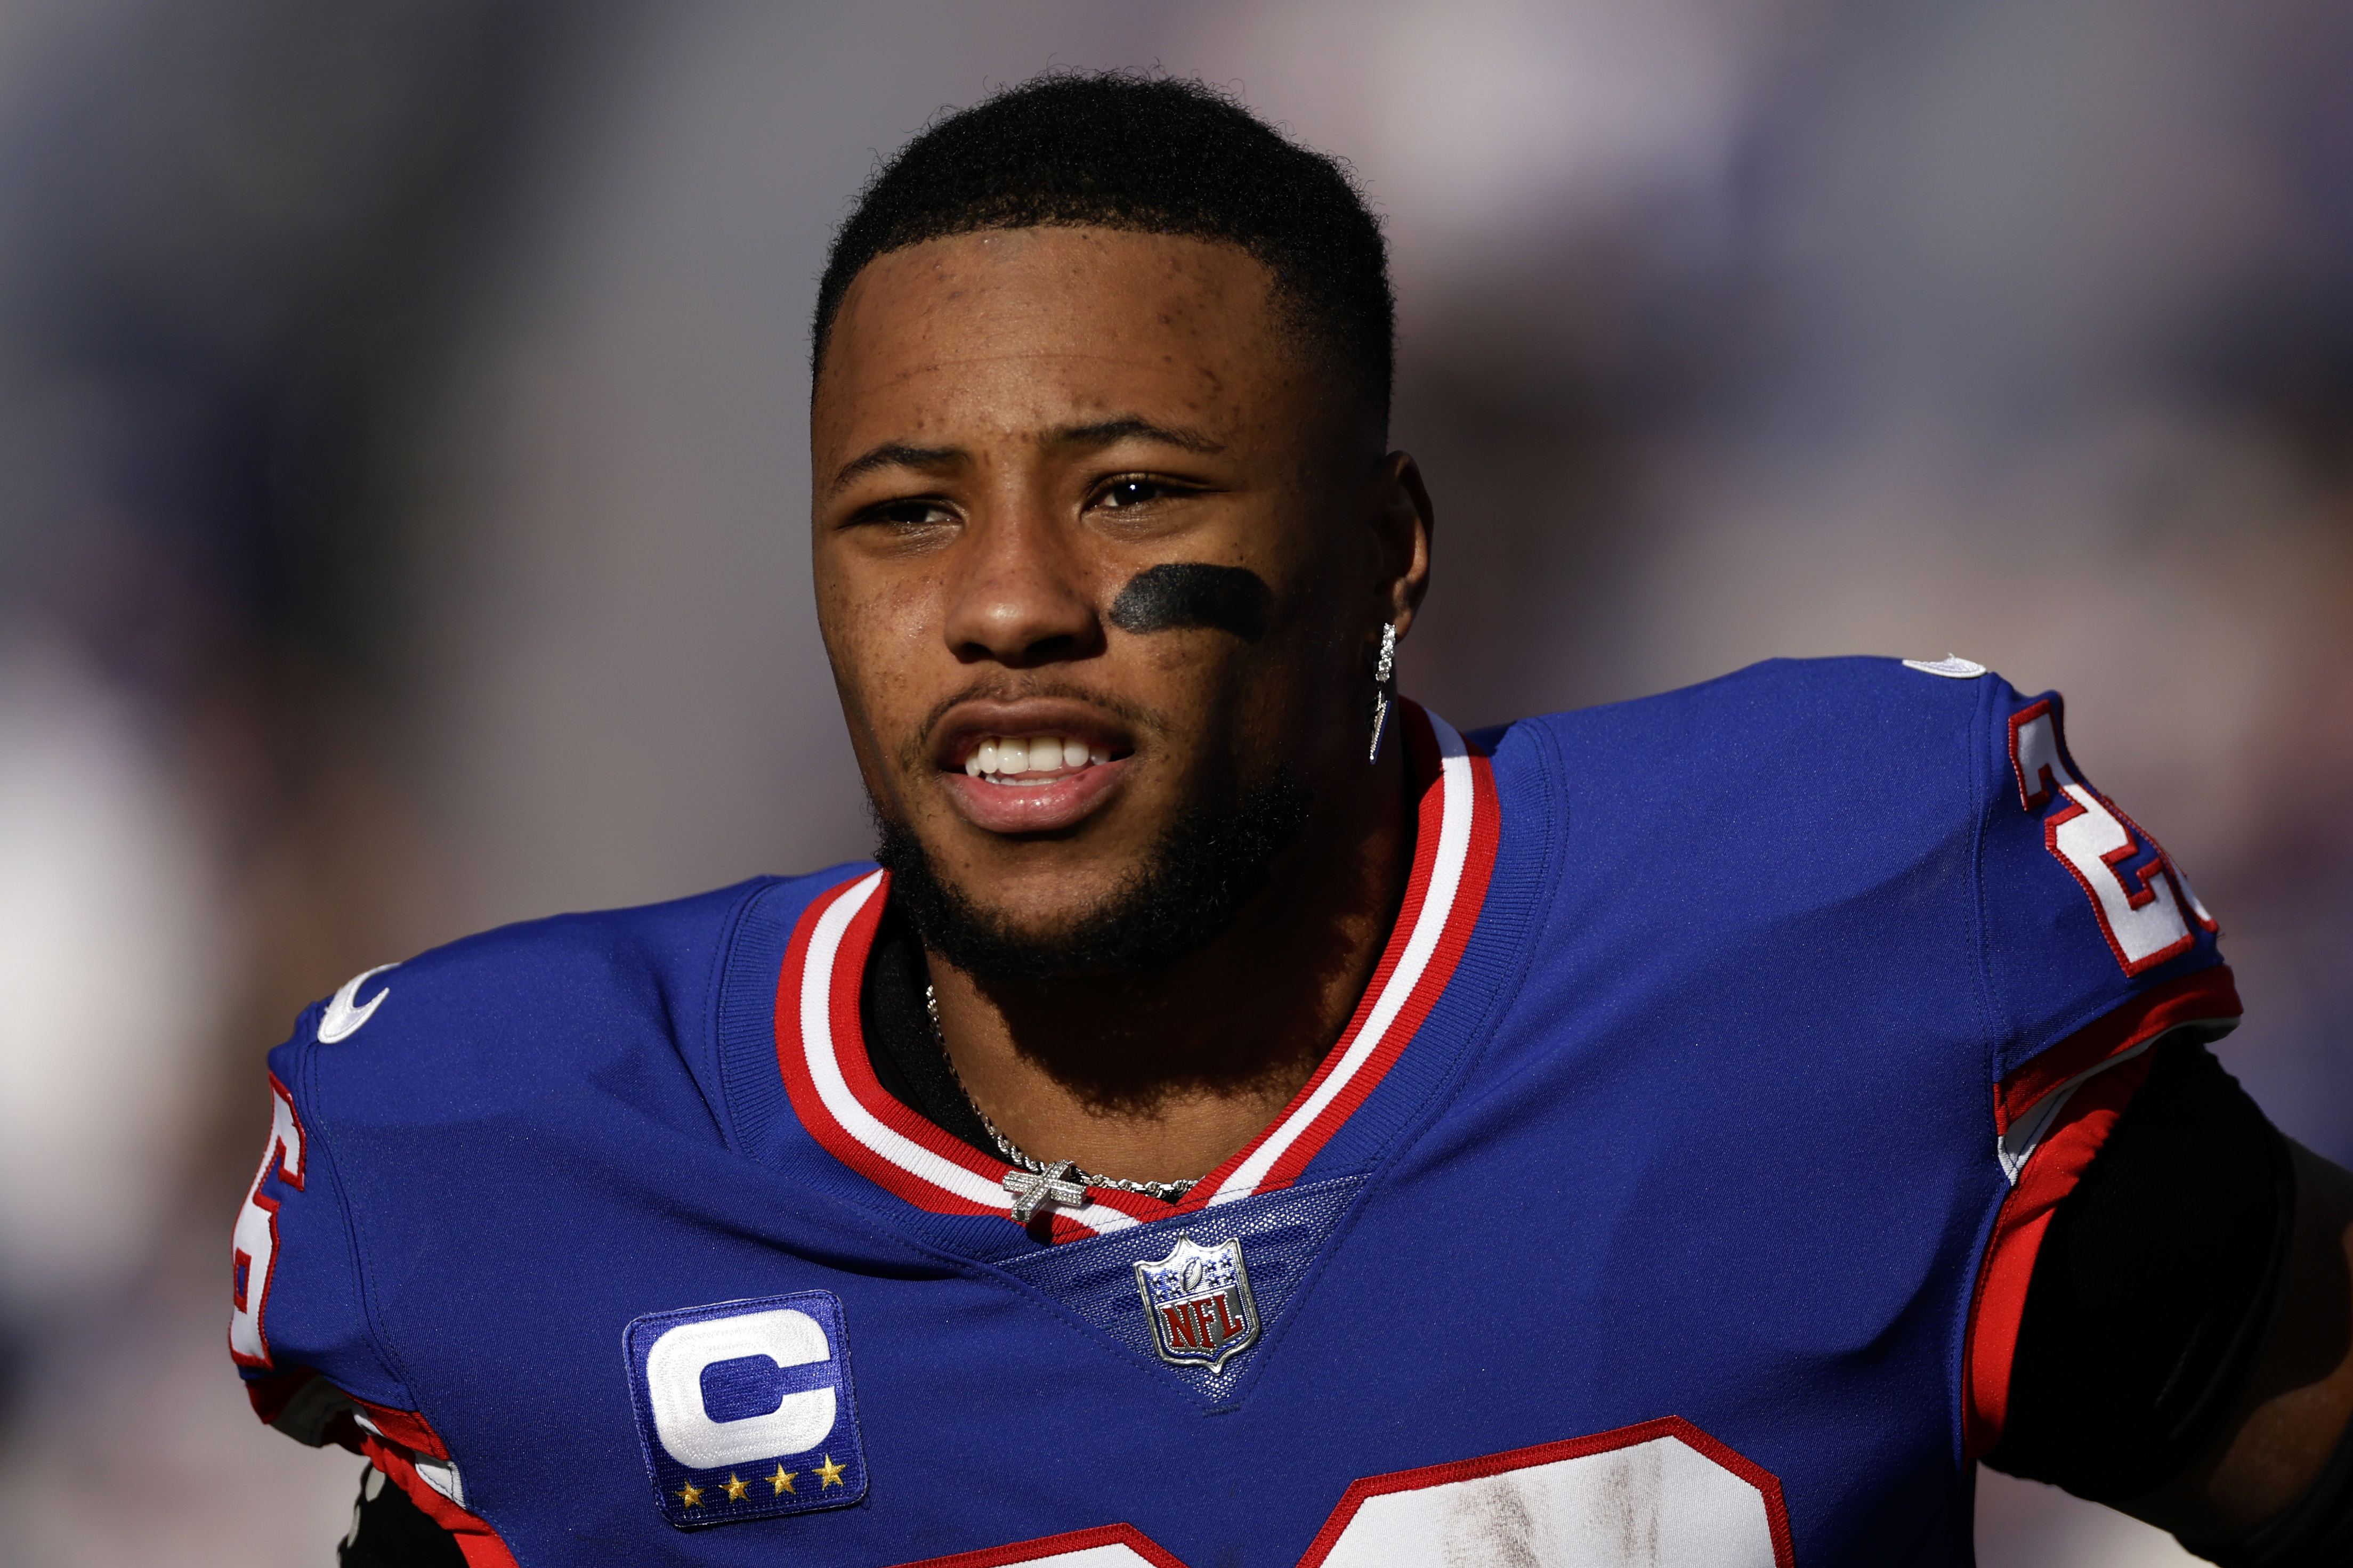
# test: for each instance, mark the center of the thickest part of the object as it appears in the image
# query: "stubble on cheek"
(871, 638)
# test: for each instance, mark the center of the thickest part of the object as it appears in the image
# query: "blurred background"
(403, 487)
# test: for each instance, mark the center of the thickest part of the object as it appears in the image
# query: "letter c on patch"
(674, 1366)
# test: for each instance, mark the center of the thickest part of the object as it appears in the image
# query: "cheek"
(1295, 690)
(1238, 698)
(875, 634)
(909, 610)
(875, 625)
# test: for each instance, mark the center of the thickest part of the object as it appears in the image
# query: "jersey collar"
(821, 1048)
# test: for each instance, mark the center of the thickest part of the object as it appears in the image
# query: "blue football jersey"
(1669, 1199)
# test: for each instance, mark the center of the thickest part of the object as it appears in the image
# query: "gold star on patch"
(736, 1487)
(832, 1474)
(782, 1480)
(691, 1495)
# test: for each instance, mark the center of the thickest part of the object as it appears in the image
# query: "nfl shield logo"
(1199, 1299)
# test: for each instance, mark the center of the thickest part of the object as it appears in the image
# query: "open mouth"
(1016, 761)
(1045, 775)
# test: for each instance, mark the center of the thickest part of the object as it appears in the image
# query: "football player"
(1239, 1119)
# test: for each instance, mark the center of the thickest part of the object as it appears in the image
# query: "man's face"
(1098, 543)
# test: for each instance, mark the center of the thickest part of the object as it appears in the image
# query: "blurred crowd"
(403, 487)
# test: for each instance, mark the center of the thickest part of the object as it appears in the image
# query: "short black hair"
(1128, 150)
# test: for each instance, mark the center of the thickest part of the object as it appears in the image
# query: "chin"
(1044, 908)
(1140, 918)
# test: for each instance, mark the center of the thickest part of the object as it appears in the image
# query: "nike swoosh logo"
(342, 1018)
(1952, 667)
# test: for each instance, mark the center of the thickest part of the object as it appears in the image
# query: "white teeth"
(1001, 756)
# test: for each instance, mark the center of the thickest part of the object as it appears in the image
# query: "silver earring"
(1384, 688)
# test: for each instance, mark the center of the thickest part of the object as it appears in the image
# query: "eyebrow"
(897, 455)
(1103, 432)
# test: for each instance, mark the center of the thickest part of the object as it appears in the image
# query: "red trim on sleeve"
(476, 1540)
(2208, 995)
(2059, 1161)
(407, 1427)
(274, 1396)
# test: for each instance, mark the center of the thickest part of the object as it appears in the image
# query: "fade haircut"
(1120, 150)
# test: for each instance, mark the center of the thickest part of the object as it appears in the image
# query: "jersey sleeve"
(298, 1318)
(2087, 919)
(2093, 946)
(299, 1324)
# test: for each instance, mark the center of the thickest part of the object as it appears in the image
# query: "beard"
(1204, 867)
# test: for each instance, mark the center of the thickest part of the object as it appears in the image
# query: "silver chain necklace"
(1063, 1169)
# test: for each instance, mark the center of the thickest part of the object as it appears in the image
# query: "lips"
(1029, 767)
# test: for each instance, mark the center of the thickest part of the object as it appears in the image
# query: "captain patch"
(744, 1408)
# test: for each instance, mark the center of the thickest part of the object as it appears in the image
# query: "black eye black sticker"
(1180, 594)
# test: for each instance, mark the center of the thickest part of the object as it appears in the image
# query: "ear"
(1402, 532)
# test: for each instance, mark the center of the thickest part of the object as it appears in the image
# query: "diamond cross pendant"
(1033, 1189)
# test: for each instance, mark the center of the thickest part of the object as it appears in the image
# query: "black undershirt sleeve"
(388, 1530)
(2155, 1288)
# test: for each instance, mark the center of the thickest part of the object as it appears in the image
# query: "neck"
(1163, 1076)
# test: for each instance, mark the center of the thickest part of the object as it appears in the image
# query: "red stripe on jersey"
(2207, 996)
(2059, 1161)
(847, 1050)
(1470, 896)
(407, 1427)
(861, 1123)
(822, 1054)
(477, 1541)
(858, 1068)
(1454, 781)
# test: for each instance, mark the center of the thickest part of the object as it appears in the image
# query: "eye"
(908, 516)
(1133, 490)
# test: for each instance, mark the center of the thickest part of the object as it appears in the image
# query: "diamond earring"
(1384, 688)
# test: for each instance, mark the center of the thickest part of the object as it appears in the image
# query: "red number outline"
(2045, 788)
(1344, 1513)
(241, 1262)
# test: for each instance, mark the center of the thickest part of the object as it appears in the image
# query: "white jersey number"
(2144, 914)
(1663, 1495)
(255, 1246)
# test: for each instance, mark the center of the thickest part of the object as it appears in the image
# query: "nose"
(1023, 600)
